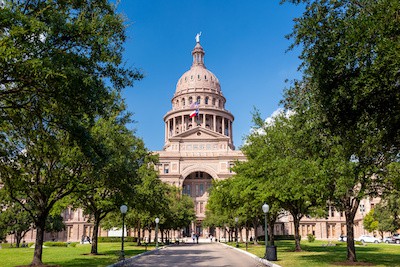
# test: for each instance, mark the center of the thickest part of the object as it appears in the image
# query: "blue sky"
(245, 46)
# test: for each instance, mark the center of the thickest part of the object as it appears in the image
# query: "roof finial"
(198, 37)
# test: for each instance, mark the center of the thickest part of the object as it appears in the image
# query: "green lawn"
(313, 254)
(70, 256)
(318, 255)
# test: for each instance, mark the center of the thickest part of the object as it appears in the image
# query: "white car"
(368, 239)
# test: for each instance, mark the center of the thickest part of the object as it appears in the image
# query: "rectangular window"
(166, 168)
(197, 189)
(188, 190)
(201, 189)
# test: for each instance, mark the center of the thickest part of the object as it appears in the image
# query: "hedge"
(116, 239)
(277, 237)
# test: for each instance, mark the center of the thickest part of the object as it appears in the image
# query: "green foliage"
(114, 239)
(369, 222)
(284, 237)
(62, 69)
(72, 244)
(310, 238)
(350, 60)
(55, 244)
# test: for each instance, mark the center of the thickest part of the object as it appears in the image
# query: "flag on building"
(196, 111)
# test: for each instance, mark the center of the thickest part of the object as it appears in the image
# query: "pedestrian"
(193, 236)
(197, 238)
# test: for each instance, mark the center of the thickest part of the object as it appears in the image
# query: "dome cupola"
(198, 104)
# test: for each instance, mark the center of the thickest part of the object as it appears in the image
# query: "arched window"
(213, 102)
(177, 103)
(198, 100)
(190, 100)
(206, 100)
(183, 102)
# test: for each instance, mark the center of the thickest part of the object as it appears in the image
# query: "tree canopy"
(350, 62)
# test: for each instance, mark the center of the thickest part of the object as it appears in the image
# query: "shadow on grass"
(105, 258)
(369, 255)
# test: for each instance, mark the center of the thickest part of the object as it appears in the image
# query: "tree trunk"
(271, 233)
(255, 225)
(350, 213)
(297, 237)
(18, 237)
(95, 235)
(149, 235)
(37, 254)
(139, 242)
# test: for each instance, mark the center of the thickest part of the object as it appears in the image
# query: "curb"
(263, 261)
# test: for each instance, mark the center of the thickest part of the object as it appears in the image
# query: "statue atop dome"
(198, 37)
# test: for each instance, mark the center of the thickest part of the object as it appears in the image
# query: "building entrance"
(197, 186)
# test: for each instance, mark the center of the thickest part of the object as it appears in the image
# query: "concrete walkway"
(189, 254)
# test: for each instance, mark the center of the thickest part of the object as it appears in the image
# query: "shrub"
(284, 237)
(72, 244)
(311, 238)
(55, 244)
(115, 239)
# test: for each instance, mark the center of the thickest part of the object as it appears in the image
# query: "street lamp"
(237, 242)
(123, 210)
(265, 209)
(362, 210)
(157, 220)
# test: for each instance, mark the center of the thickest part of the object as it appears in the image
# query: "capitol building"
(198, 148)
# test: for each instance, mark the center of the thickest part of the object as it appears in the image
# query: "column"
(223, 125)
(230, 131)
(166, 132)
(183, 123)
(215, 123)
(173, 126)
(204, 120)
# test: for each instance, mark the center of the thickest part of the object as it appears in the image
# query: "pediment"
(198, 133)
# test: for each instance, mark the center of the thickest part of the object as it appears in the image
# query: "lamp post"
(123, 210)
(265, 209)
(362, 210)
(157, 220)
(237, 242)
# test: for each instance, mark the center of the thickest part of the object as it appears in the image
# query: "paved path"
(188, 255)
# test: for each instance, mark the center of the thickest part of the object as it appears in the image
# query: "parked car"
(368, 239)
(387, 240)
(396, 238)
(342, 238)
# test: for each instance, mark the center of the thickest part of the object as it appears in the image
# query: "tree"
(386, 213)
(283, 157)
(369, 222)
(222, 205)
(180, 212)
(116, 176)
(54, 224)
(60, 62)
(14, 219)
(350, 58)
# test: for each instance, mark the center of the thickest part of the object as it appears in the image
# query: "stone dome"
(198, 77)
